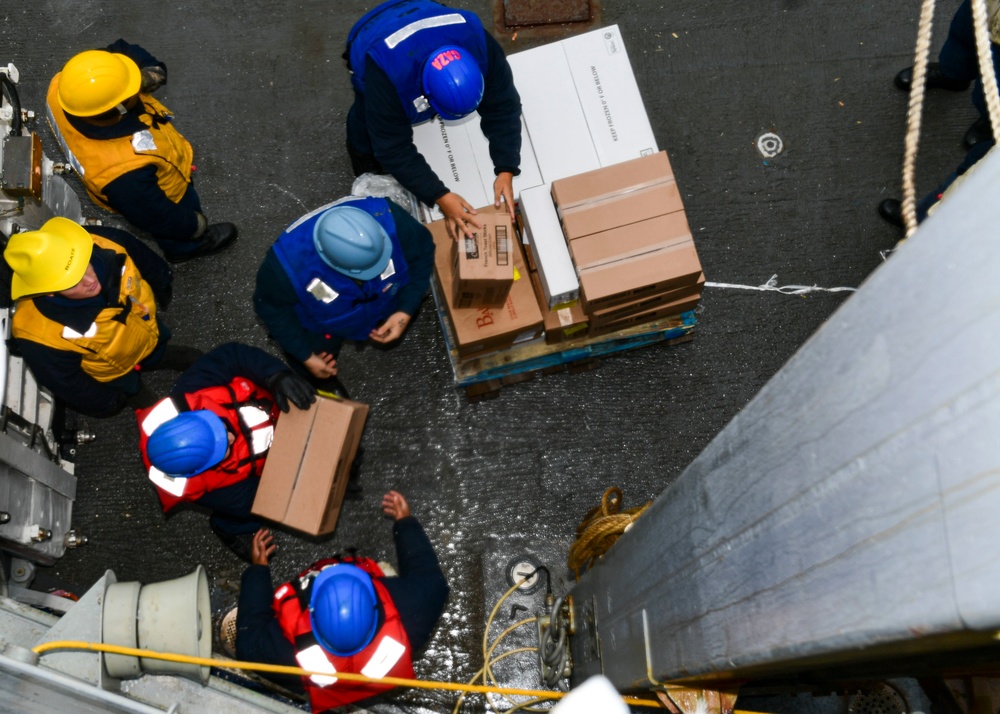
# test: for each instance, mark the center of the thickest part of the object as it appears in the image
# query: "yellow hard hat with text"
(48, 260)
(95, 81)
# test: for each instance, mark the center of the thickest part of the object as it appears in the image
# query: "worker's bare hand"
(263, 547)
(395, 506)
(503, 187)
(321, 365)
(458, 214)
(390, 330)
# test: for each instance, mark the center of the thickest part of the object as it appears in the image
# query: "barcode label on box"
(503, 250)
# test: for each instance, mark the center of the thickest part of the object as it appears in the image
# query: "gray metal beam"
(849, 511)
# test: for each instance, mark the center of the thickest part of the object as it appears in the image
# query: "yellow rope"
(600, 529)
(298, 671)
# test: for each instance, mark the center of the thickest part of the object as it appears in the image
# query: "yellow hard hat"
(95, 81)
(48, 260)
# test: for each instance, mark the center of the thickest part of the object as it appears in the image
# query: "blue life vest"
(400, 35)
(329, 301)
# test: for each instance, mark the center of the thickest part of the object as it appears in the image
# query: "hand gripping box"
(305, 475)
(484, 266)
(480, 330)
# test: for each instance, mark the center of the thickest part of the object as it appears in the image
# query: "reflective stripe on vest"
(70, 156)
(260, 439)
(385, 657)
(428, 22)
(314, 659)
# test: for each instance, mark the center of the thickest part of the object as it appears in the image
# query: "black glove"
(287, 387)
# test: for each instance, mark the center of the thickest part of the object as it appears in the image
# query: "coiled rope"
(600, 529)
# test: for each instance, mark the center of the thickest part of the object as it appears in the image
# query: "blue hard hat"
(343, 609)
(352, 242)
(188, 444)
(453, 82)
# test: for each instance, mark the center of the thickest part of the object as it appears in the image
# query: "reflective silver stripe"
(282, 591)
(314, 659)
(164, 411)
(387, 654)
(389, 271)
(401, 34)
(73, 161)
(173, 486)
(261, 439)
(70, 334)
(321, 291)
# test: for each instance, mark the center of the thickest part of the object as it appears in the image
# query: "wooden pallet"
(483, 377)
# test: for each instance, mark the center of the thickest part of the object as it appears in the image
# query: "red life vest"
(388, 654)
(249, 413)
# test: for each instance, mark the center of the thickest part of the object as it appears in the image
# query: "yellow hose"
(282, 669)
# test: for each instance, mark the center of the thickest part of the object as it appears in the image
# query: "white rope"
(913, 117)
(772, 286)
(984, 52)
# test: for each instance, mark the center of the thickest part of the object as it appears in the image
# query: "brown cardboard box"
(673, 308)
(305, 475)
(621, 210)
(627, 241)
(479, 330)
(608, 315)
(611, 180)
(483, 264)
(624, 280)
(562, 324)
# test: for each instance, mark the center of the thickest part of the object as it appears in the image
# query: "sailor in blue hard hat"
(207, 442)
(343, 614)
(411, 60)
(355, 269)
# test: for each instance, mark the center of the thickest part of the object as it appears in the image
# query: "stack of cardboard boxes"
(630, 243)
(485, 287)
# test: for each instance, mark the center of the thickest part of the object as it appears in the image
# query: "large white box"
(557, 128)
(609, 96)
(548, 246)
(448, 150)
(530, 175)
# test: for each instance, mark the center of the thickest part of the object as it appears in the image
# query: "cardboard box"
(530, 174)
(600, 318)
(673, 308)
(482, 330)
(563, 323)
(628, 279)
(633, 207)
(612, 181)
(305, 475)
(548, 245)
(483, 264)
(630, 240)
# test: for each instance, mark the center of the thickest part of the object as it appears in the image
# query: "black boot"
(891, 211)
(979, 131)
(216, 238)
(935, 79)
